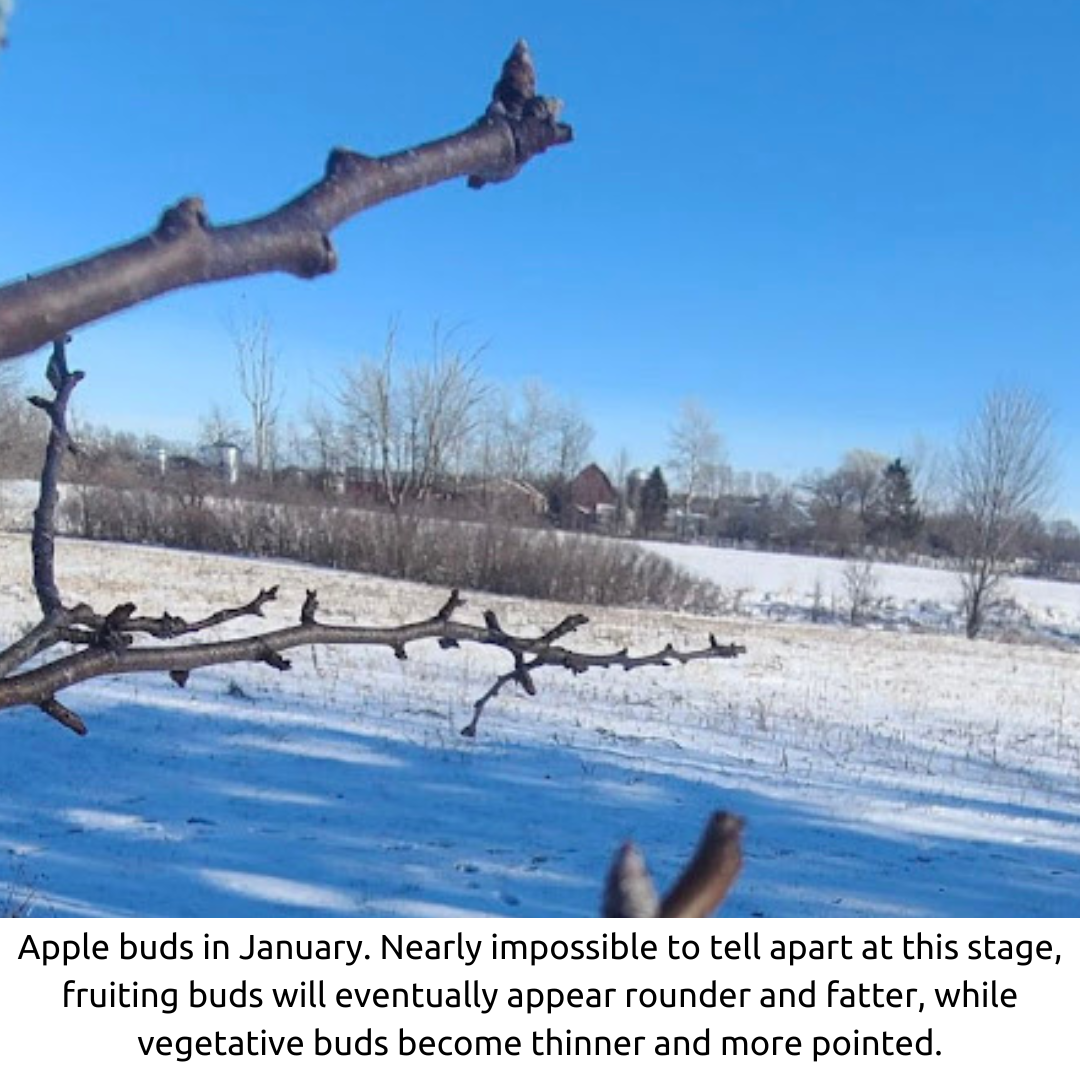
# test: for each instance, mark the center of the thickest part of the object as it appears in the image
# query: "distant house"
(507, 498)
(593, 501)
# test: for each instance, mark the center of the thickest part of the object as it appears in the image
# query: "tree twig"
(186, 249)
(43, 539)
(115, 654)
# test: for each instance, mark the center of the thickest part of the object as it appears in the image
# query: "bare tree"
(217, 426)
(1003, 472)
(257, 368)
(409, 426)
(863, 471)
(532, 434)
(20, 437)
(844, 504)
(525, 430)
(572, 436)
(697, 451)
(323, 441)
(860, 589)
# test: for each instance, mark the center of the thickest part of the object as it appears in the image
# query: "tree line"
(431, 432)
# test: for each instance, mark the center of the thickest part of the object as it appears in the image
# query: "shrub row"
(485, 556)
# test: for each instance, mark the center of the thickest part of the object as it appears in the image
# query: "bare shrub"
(484, 556)
(860, 584)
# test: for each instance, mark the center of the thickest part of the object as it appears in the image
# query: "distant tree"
(572, 436)
(1003, 472)
(860, 589)
(900, 518)
(653, 503)
(323, 441)
(1057, 549)
(21, 441)
(845, 504)
(538, 437)
(218, 425)
(829, 505)
(409, 425)
(863, 473)
(697, 451)
(257, 370)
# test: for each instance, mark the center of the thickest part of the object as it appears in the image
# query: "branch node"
(185, 217)
(180, 677)
(342, 162)
(118, 617)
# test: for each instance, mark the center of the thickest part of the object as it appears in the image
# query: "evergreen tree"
(901, 519)
(653, 506)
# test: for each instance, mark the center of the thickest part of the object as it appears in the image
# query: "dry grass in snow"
(880, 773)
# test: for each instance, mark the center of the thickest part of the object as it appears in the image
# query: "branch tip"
(274, 659)
(712, 870)
(63, 715)
(450, 607)
(629, 892)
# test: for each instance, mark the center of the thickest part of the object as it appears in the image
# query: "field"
(890, 770)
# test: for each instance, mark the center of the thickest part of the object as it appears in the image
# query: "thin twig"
(119, 657)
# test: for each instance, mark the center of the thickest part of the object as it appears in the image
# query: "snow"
(879, 773)
(789, 587)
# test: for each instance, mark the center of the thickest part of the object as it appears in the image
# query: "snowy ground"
(880, 773)
(797, 588)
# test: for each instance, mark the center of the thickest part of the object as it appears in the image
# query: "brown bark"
(701, 888)
(186, 249)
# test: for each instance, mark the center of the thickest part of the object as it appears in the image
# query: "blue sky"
(837, 224)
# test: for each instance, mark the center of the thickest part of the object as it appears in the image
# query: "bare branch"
(63, 715)
(113, 653)
(185, 249)
(43, 541)
(164, 626)
(42, 637)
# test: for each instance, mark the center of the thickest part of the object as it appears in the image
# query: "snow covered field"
(795, 587)
(880, 773)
